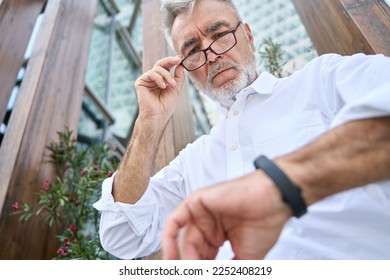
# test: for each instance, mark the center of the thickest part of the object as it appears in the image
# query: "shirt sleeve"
(357, 87)
(130, 231)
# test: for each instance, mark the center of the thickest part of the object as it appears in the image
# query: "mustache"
(220, 66)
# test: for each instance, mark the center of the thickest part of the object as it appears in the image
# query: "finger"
(168, 243)
(160, 74)
(179, 75)
(169, 62)
(188, 249)
(193, 244)
(203, 235)
(151, 79)
(207, 221)
(201, 238)
(166, 75)
(179, 217)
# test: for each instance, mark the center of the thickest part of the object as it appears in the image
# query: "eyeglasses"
(219, 46)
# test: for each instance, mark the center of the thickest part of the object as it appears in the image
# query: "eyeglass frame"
(233, 31)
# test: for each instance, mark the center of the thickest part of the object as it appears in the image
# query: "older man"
(261, 115)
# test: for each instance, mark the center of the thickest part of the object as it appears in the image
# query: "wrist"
(291, 193)
(151, 127)
(153, 122)
(274, 197)
(301, 174)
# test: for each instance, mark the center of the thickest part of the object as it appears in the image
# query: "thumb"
(179, 75)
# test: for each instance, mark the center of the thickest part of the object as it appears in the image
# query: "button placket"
(235, 164)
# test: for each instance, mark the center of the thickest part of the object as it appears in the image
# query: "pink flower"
(109, 173)
(61, 252)
(72, 229)
(16, 205)
(114, 148)
(67, 243)
(46, 185)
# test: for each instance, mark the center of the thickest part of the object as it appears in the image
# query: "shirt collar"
(264, 84)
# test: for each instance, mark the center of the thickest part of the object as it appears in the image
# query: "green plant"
(272, 55)
(66, 203)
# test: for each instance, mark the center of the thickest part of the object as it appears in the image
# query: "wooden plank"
(180, 129)
(10, 149)
(50, 99)
(346, 26)
(17, 19)
(14, 135)
(372, 18)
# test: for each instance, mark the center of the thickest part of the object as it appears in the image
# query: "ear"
(248, 33)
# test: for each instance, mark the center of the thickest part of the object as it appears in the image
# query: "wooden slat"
(372, 17)
(180, 129)
(50, 98)
(17, 19)
(14, 135)
(346, 26)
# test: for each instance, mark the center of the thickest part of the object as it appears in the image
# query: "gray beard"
(224, 95)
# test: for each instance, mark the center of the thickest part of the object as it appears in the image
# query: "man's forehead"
(190, 33)
(200, 20)
(214, 26)
(189, 30)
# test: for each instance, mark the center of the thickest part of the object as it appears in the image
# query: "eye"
(219, 35)
(192, 51)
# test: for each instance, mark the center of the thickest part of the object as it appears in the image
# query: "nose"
(212, 57)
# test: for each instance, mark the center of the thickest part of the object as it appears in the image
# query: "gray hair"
(170, 9)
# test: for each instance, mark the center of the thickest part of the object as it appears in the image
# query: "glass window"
(114, 64)
(281, 23)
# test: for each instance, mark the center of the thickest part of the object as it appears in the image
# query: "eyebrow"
(209, 29)
(188, 43)
(216, 26)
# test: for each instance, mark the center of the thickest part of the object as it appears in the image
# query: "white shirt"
(273, 117)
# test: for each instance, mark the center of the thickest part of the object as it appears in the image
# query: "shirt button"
(236, 113)
(234, 147)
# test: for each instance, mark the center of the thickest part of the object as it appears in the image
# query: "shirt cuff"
(139, 215)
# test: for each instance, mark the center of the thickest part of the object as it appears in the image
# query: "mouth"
(221, 71)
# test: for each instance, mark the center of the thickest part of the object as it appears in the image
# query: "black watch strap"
(290, 192)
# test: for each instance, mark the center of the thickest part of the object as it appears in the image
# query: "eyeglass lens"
(220, 46)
